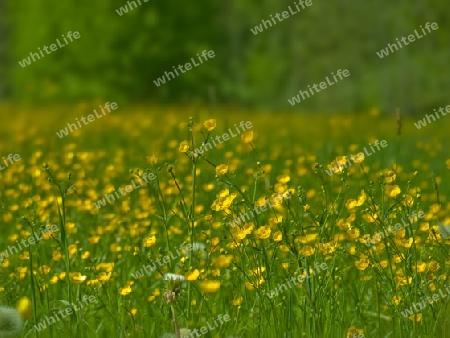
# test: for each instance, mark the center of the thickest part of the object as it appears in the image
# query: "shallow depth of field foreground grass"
(261, 240)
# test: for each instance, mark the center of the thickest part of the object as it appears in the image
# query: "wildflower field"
(150, 222)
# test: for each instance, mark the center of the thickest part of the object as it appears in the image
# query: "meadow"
(168, 258)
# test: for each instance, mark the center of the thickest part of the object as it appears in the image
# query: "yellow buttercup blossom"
(24, 307)
(307, 250)
(351, 204)
(210, 124)
(247, 137)
(390, 176)
(125, 291)
(149, 241)
(260, 202)
(415, 317)
(77, 277)
(278, 236)
(392, 190)
(152, 159)
(358, 158)
(94, 283)
(237, 301)
(221, 169)
(192, 275)
(327, 248)
(223, 261)
(209, 286)
(420, 267)
(362, 263)
(370, 218)
(396, 300)
(361, 199)
(263, 232)
(341, 160)
(184, 147)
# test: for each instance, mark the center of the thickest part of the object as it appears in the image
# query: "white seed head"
(11, 322)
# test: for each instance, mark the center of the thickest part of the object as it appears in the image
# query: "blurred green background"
(118, 57)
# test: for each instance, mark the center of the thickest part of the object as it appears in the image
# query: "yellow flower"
(433, 266)
(421, 266)
(260, 202)
(77, 277)
(223, 261)
(370, 218)
(125, 291)
(362, 263)
(416, 317)
(358, 158)
(341, 160)
(447, 163)
(361, 198)
(307, 250)
(390, 177)
(209, 286)
(184, 147)
(24, 307)
(44, 269)
(237, 301)
(210, 124)
(263, 232)
(278, 236)
(392, 190)
(56, 255)
(327, 248)
(94, 283)
(192, 275)
(104, 276)
(396, 300)
(153, 159)
(353, 332)
(351, 204)
(221, 169)
(247, 137)
(149, 241)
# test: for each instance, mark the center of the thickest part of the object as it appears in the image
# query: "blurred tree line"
(118, 57)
